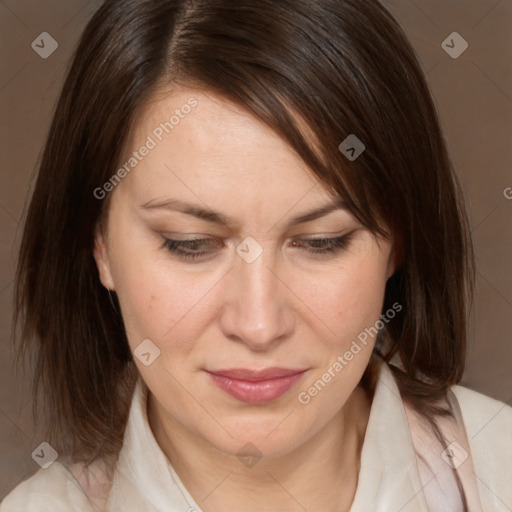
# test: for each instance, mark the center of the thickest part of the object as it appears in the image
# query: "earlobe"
(391, 268)
(395, 260)
(100, 255)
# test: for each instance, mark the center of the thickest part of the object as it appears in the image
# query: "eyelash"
(337, 244)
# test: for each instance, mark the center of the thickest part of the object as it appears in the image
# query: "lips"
(256, 386)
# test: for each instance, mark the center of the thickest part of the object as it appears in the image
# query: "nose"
(256, 309)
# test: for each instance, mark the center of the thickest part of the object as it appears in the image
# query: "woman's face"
(244, 342)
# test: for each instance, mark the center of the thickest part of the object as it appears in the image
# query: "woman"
(299, 353)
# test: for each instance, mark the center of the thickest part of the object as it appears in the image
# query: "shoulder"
(488, 425)
(484, 416)
(49, 490)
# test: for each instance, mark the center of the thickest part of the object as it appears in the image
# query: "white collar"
(389, 479)
(144, 479)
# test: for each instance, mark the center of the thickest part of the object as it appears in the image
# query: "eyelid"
(209, 239)
(334, 245)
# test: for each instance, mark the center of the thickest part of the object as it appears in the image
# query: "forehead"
(213, 125)
(202, 142)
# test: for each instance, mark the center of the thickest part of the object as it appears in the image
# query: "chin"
(271, 437)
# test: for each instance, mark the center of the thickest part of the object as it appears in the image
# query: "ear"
(395, 258)
(100, 254)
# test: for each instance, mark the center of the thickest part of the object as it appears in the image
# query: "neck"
(320, 474)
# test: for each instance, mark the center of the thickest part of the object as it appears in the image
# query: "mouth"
(256, 386)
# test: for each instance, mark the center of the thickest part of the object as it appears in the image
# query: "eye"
(325, 245)
(199, 247)
(188, 248)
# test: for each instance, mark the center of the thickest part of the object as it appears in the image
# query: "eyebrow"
(219, 218)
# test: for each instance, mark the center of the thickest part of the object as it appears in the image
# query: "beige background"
(474, 97)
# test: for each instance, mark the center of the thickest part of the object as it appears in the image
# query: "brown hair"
(343, 67)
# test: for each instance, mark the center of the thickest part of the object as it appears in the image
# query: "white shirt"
(390, 478)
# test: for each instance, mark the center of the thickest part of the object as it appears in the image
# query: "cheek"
(160, 300)
(346, 300)
(349, 303)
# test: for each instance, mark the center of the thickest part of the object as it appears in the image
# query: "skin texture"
(288, 308)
